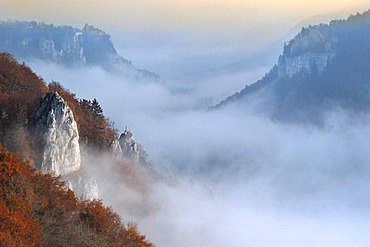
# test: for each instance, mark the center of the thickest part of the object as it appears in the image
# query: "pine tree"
(98, 111)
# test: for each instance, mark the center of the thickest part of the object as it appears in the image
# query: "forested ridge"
(38, 209)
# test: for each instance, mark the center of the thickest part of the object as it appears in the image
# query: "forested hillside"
(324, 68)
(21, 94)
(39, 209)
(66, 45)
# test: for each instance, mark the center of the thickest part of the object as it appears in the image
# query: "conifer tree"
(98, 111)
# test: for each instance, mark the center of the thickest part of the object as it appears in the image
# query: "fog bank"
(241, 178)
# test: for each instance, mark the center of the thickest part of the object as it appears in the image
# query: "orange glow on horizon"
(142, 14)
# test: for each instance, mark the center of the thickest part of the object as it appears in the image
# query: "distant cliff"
(65, 45)
(311, 51)
(324, 67)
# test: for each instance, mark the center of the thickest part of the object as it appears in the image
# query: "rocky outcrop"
(69, 50)
(126, 148)
(306, 63)
(62, 148)
(66, 45)
(116, 149)
(62, 154)
(129, 146)
(323, 69)
(309, 52)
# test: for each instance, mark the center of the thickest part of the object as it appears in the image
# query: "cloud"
(272, 184)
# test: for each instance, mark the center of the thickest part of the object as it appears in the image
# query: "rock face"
(62, 154)
(324, 68)
(70, 49)
(66, 45)
(62, 149)
(308, 63)
(126, 148)
(129, 146)
(116, 149)
(311, 51)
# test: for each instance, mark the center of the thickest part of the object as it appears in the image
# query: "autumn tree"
(17, 226)
(21, 91)
(39, 210)
(95, 130)
(108, 225)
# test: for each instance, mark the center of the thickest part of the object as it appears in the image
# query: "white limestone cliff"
(116, 149)
(126, 148)
(308, 63)
(62, 154)
(129, 146)
(310, 51)
(62, 148)
(70, 48)
(89, 46)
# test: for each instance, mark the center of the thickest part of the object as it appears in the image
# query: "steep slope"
(66, 45)
(62, 154)
(39, 210)
(126, 148)
(62, 149)
(45, 133)
(324, 67)
(21, 91)
(61, 134)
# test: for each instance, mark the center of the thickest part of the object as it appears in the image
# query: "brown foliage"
(95, 130)
(108, 224)
(17, 226)
(39, 210)
(20, 91)
(20, 94)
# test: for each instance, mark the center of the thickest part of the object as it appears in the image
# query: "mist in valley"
(231, 176)
(237, 178)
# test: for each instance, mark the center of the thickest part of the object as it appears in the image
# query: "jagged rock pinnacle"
(62, 155)
(62, 149)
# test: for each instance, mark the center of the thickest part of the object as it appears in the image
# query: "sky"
(149, 14)
(260, 19)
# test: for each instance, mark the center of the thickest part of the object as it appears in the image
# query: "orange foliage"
(20, 89)
(102, 220)
(20, 94)
(95, 130)
(39, 210)
(17, 226)
(108, 223)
